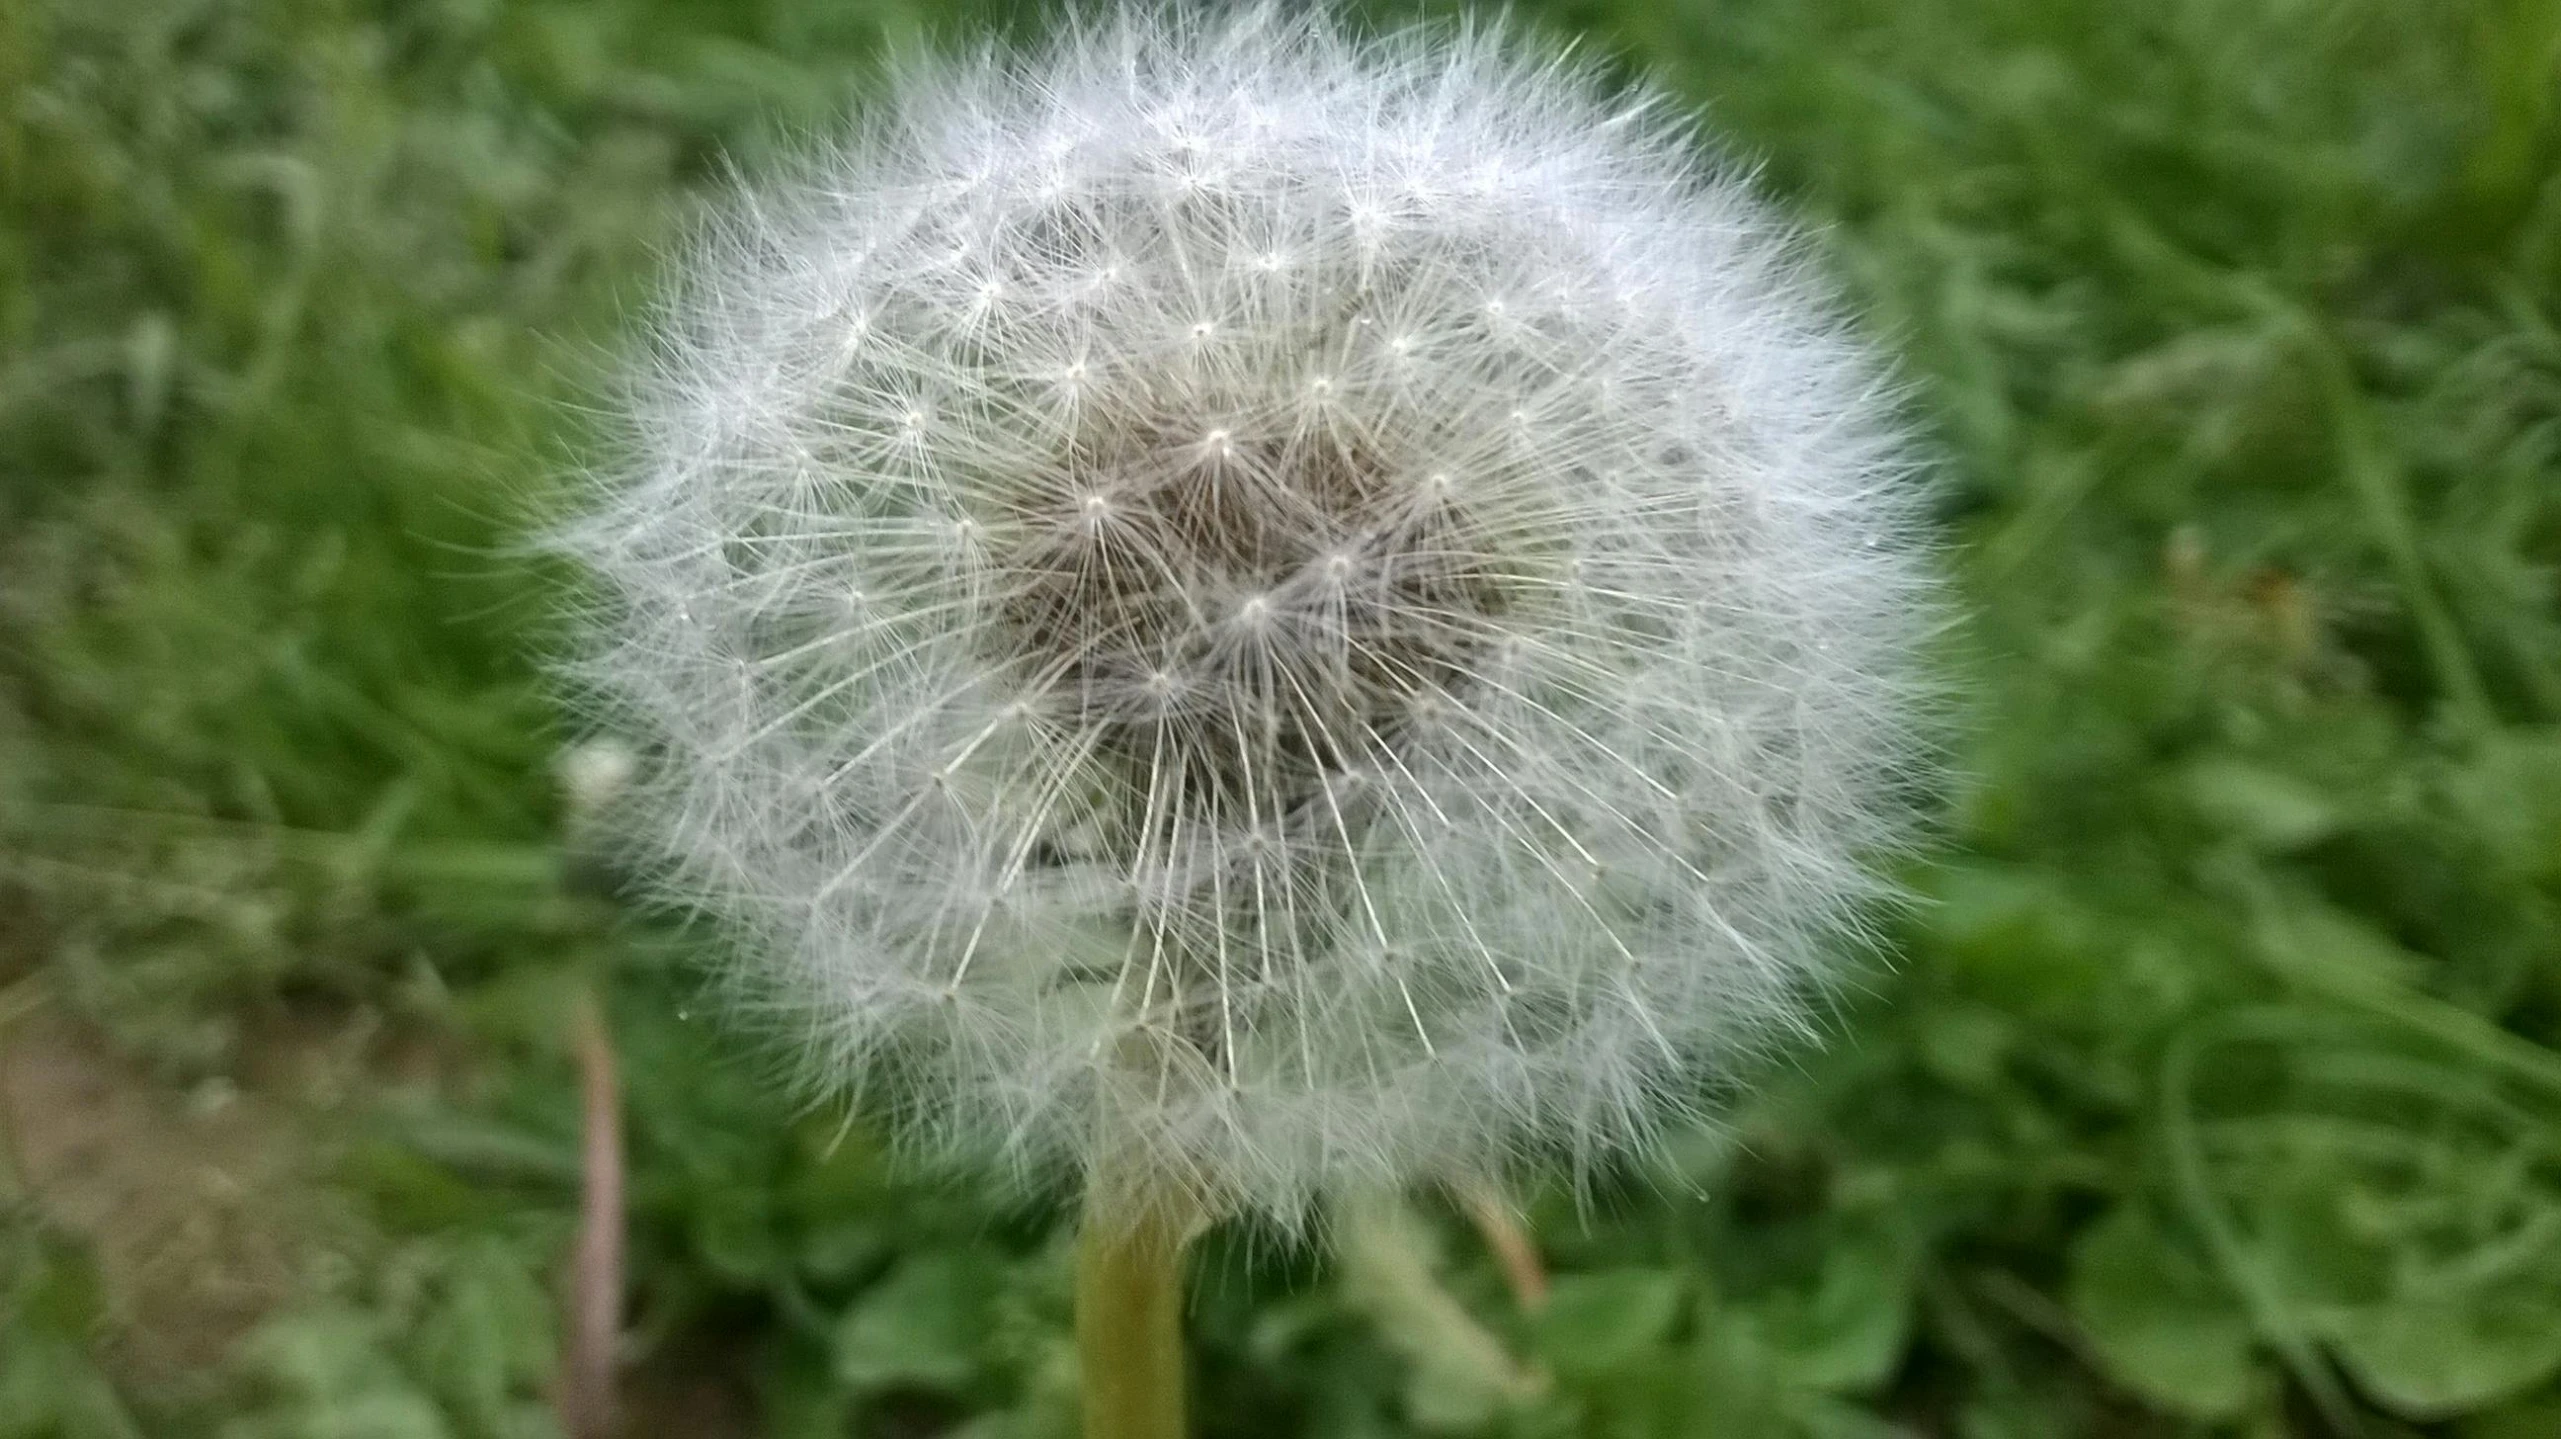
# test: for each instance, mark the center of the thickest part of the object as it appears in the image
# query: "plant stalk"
(1129, 1320)
(586, 1399)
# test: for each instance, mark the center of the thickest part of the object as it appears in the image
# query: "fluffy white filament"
(1336, 607)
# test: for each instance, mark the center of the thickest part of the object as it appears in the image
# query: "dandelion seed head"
(1339, 604)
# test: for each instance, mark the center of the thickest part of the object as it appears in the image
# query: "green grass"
(2213, 1090)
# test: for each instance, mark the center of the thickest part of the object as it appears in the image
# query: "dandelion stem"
(595, 1317)
(1129, 1318)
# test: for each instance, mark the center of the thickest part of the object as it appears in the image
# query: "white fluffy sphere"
(1336, 609)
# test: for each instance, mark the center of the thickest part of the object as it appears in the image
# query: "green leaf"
(1460, 1376)
(734, 1233)
(329, 1378)
(1609, 1320)
(1965, 1046)
(2509, 791)
(1824, 1417)
(51, 1389)
(2538, 1418)
(1848, 1331)
(2266, 808)
(489, 1338)
(2436, 1360)
(2008, 1412)
(920, 1326)
(2165, 1327)
(832, 1253)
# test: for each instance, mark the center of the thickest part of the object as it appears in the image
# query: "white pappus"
(1339, 609)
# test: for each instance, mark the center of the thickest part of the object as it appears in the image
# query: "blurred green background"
(2213, 1089)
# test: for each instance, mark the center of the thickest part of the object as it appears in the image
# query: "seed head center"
(1119, 629)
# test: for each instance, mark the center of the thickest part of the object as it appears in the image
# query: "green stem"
(1129, 1322)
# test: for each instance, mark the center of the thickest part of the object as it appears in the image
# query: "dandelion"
(1249, 613)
